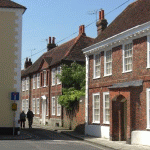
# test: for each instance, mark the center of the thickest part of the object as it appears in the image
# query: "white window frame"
(53, 76)
(38, 80)
(105, 64)
(23, 84)
(104, 108)
(96, 94)
(58, 72)
(47, 107)
(148, 51)
(37, 106)
(27, 106)
(34, 76)
(58, 108)
(44, 76)
(148, 107)
(53, 105)
(33, 105)
(27, 83)
(123, 51)
(24, 105)
(94, 67)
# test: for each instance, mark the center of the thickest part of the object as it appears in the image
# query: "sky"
(61, 19)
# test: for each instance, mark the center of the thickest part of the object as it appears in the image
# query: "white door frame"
(44, 98)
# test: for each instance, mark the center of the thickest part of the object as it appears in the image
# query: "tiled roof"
(135, 14)
(71, 50)
(10, 4)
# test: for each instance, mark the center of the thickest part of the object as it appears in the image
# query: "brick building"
(40, 87)
(118, 77)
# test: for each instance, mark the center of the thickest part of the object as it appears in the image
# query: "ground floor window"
(25, 105)
(96, 108)
(37, 106)
(53, 105)
(58, 108)
(106, 110)
(148, 108)
(33, 105)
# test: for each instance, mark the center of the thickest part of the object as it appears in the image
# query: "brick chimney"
(51, 43)
(82, 30)
(101, 23)
(27, 63)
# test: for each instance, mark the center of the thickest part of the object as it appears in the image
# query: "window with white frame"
(37, 106)
(23, 84)
(53, 105)
(108, 63)
(106, 110)
(148, 108)
(47, 107)
(53, 76)
(44, 78)
(23, 105)
(34, 81)
(148, 51)
(58, 72)
(27, 106)
(127, 57)
(96, 108)
(97, 66)
(38, 80)
(58, 108)
(27, 83)
(33, 105)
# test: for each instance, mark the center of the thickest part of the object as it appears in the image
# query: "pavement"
(116, 145)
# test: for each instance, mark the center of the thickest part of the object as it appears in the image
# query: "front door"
(118, 121)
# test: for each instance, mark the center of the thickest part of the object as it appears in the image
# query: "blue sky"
(60, 19)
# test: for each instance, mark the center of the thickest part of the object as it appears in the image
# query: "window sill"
(96, 78)
(53, 84)
(106, 123)
(58, 115)
(58, 83)
(95, 122)
(127, 71)
(107, 75)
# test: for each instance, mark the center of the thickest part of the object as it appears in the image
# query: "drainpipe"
(86, 91)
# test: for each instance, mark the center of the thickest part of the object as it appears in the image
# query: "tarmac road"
(42, 139)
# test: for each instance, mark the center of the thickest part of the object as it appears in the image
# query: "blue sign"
(14, 95)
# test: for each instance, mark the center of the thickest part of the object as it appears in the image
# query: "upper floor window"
(127, 57)
(53, 76)
(96, 108)
(23, 84)
(97, 66)
(106, 110)
(27, 83)
(108, 63)
(34, 81)
(148, 51)
(58, 72)
(44, 78)
(38, 80)
(148, 108)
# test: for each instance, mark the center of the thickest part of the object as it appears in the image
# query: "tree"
(73, 81)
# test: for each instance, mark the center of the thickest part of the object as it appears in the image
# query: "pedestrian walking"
(30, 116)
(22, 119)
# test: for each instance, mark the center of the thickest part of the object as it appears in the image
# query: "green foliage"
(73, 80)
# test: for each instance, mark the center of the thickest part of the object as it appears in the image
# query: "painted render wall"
(10, 62)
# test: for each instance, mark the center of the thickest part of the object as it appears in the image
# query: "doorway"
(119, 119)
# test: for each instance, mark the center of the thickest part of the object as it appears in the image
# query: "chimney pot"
(50, 40)
(53, 42)
(99, 15)
(102, 14)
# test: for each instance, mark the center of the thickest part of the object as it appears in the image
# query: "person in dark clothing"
(22, 119)
(30, 118)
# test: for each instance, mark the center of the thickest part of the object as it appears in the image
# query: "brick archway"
(119, 118)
